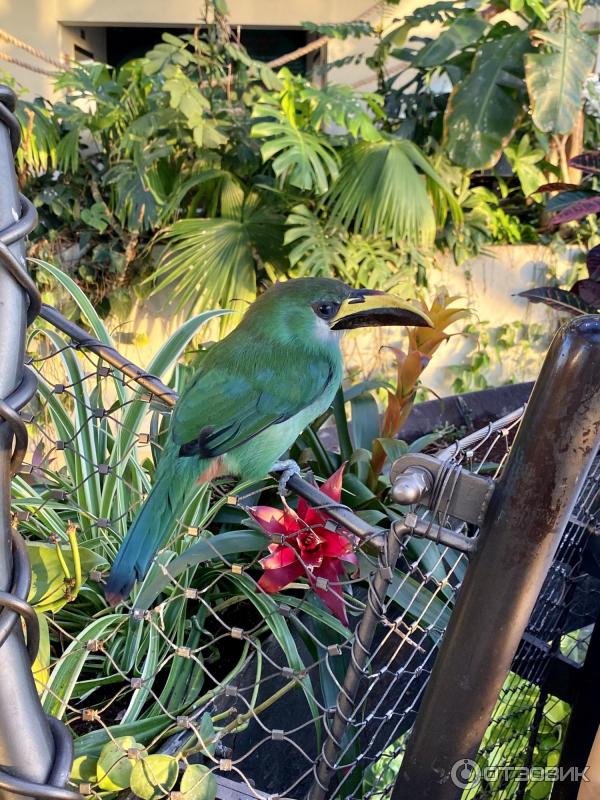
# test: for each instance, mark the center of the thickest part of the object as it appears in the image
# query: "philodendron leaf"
(113, 771)
(555, 76)
(198, 783)
(154, 776)
(558, 299)
(483, 111)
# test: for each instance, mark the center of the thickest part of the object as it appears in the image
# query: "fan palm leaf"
(213, 262)
(383, 191)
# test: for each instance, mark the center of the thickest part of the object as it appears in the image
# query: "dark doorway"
(264, 44)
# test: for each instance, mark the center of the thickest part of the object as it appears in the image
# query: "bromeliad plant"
(309, 548)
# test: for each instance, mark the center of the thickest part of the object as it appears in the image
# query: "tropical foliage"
(199, 169)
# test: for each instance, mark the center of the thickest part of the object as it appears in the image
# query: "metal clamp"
(442, 486)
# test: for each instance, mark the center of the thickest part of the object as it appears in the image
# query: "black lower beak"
(369, 308)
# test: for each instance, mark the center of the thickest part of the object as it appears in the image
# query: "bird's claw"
(287, 468)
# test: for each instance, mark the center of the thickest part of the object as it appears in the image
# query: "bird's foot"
(287, 467)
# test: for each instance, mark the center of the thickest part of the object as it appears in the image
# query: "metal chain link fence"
(203, 663)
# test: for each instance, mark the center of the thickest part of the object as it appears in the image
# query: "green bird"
(256, 391)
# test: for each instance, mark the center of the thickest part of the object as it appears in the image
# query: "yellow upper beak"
(367, 307)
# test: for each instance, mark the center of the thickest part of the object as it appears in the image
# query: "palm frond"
(212, 262)
(299, 158)
(318, 249)
(383, 191)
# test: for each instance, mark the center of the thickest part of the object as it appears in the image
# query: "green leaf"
(41, 666)
(198, 783)
(460, 34)
(211, 262)
(524, 160)
(85, 306)
(154, 776)
(143, 730)
(365, 421)
(96, 217)
(66, 672)
(48, 587)
(366, 195)
(556, 75)
(482, 113)
(318, 249)
(215, 547)
(300, 158)
(84, 769)
(114, 767)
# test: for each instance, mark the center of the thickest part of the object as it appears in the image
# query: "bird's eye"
(326, 309)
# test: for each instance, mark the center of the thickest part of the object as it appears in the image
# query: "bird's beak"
(368, 307)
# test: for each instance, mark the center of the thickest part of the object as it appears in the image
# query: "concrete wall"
(486, 284)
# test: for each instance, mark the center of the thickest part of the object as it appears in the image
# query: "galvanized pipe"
(35, 752)
(530, 507)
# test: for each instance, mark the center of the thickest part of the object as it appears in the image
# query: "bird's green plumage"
(255, 392)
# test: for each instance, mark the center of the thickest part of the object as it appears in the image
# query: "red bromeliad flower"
(309, 548)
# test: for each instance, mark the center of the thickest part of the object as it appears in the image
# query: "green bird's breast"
(254, 459)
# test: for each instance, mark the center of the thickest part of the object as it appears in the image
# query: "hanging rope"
(34, 51)
(25, 65)
(300, 52)
(322, 40)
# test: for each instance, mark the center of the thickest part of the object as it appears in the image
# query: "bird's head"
(322, 306)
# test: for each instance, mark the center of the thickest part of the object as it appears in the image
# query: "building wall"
(56, 26)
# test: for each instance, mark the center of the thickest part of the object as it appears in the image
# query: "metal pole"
(527, 514)
(34, 750)
(325, 768)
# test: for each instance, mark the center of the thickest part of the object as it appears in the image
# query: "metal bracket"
(442, 486)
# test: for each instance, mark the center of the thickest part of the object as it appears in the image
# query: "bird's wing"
(224, 408)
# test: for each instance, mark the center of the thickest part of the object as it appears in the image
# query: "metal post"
(326, 767)
(34, 750)
(525, 519)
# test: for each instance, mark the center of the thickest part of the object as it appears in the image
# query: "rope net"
(232, 683)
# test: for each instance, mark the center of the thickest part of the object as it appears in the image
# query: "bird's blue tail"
(146, 534)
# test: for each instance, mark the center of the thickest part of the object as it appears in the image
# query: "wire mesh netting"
(522, 746)
(220, 662)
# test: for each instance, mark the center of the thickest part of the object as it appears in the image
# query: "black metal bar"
(525, 519)
(83, 339)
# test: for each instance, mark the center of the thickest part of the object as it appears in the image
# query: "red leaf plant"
(308, 548)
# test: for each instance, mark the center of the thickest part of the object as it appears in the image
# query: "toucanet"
(256, 391)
